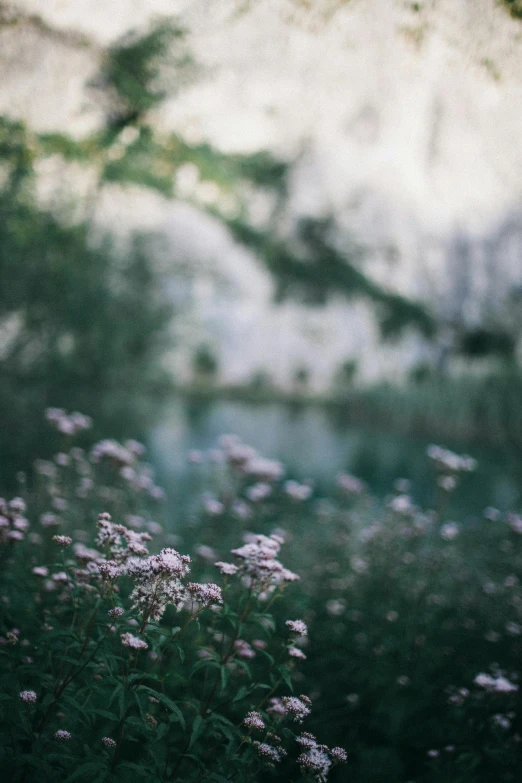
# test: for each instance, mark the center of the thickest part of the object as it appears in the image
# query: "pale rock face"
(405, 123)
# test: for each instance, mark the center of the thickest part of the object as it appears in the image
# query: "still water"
(315, 444)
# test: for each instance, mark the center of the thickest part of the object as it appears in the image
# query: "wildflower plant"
(280, 622)
(117, 662)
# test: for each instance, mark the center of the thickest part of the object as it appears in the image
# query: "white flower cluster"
(296, 652)
(112, 451)
(259, 565)
(158, 582)
(227, 569)
(316, 760)
(121, 542)
(269, 752)
(276, 708)
(449, 531)
(244, 650)
(28, 697)
(450, 462)
(246, 460)
(299, 630)
(68, 424)
(497, 684)
(157, 578)
(350, 484)
(62, 735)
(253, 720)
(133, 642)
(205, 594)
(13, 524)
(297, 708)
(63, 540)
(296, 491)
(449, 465)
(125, 457)
(403, 504)
(264, 469)
(298, 627)
(258, 491)
(515, 523)
(109, 569)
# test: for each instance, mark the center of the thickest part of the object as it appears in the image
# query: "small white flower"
(28, 697)
(133, 642)
(253, 720)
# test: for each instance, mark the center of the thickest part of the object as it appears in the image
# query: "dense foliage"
(116, 665)
(83, 322)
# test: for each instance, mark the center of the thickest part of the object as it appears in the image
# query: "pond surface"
(314, 444)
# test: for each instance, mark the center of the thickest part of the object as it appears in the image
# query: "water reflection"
(315, 444)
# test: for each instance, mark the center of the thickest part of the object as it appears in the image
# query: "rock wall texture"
(405, 121)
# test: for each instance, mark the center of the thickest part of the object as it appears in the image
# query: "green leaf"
(197, 728)
(137, 768)
(90, 767)
(166, 701)
(242, 692)
(245, 666)
(225, 675)
(285, 674)
(105, 714)
(162, 731)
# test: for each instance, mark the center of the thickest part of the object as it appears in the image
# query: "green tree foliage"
(205, 363)
(140, 69)
(311, 267)
(514, 7)
(345, 375)
(81, 321)
(483, 341)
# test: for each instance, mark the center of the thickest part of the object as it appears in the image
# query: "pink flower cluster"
(125, 458)
(133, 642)
(205, 594)
(447, 461)
(28, 697)
(498, 684)
(247, 461)
(350, 484)
(296, 491)
(253, 720)
(298, 627)
(316, 760)
(158, 582)
(297, 708)
(68, 424)
(259, 564)
(121, 542)
(13, 524)
(269, 752)
(63, 540)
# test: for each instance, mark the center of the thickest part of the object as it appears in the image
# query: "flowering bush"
(115, 665)
(415, 618)
(392, 631)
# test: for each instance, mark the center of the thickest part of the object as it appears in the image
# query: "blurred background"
(296, 220)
